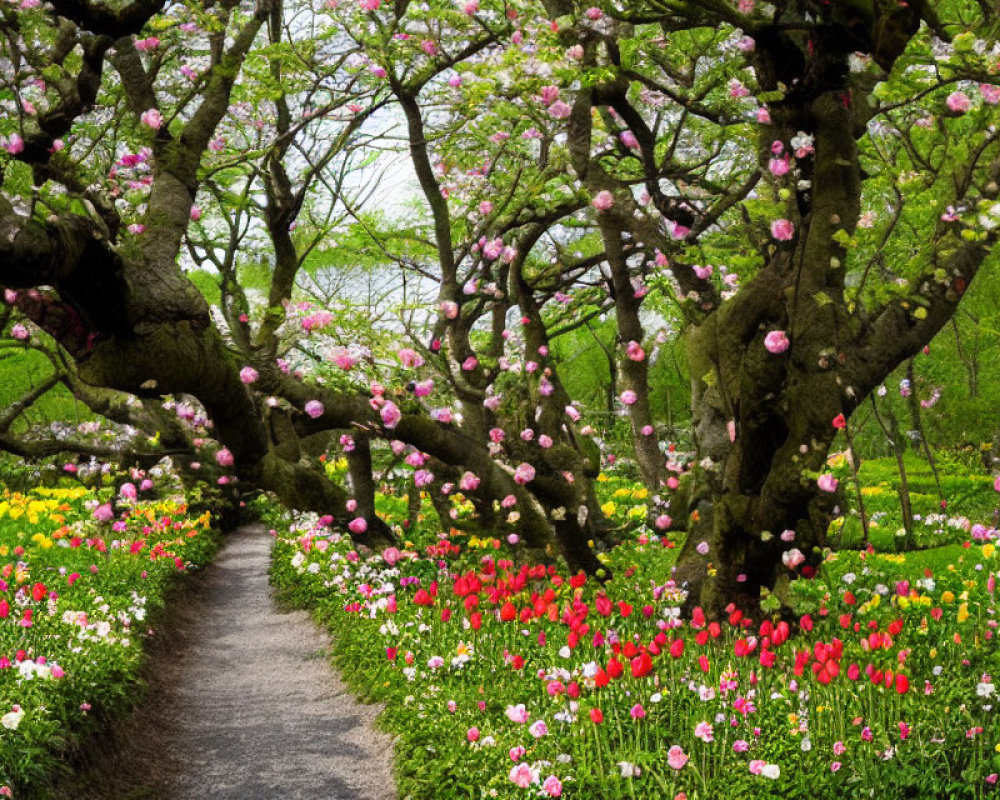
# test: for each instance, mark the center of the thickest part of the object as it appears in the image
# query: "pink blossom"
(703, 730)
(783, 230)
(449, 308)
(594, 13)
(147, 45)
(454, 81)
(518, 713)
(248, 375)
(423, 388)
(757, 766)
(195, 213)
(553, 786)
(409, 357)
(545, 441)
(472, 734)
(637, 711)
(151, 118)
(522, 775)
(224, 458)
(497, 435)
(469, 482)
(737, 89)
(634, 351)
(423, 477)
(763, 116)
(128, 491)
(990, 94)
(958, 102)
(539, 729)
(104, 513)
(778, 166)
(14, 145)
(628, 397)
(442, 415)
(19, 332)
(470, 364)
(370, 5)
(827, 483)
(378, 71)
(572, 413)
(390, 414)
(776, 342)
(629, 139)
(792, 558)
(136, 228)
(358, 525)
(560, 109)
(676, 757)
(524, 473)
(314, 408)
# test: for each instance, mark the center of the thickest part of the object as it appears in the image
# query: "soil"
(242, 704)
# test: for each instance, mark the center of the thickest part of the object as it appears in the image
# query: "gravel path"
(253, 710)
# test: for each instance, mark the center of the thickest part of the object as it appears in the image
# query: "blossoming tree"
(810, 187)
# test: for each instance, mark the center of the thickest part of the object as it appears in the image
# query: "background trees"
(777, 203)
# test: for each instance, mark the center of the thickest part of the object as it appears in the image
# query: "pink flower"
(827, 483)
(958, 102)
(647, 430)
(783, 230)
(390, 414)
(524, 473)
(545, 441)
(151, 118)
(702, 548)
(516, 752)
(248, 375)
(757, 766)
(378, 71)
(637, 711)
(136, 228)
(470, 364)
(763, 116)
(472, 734)
(560, 109)
(603, 200)
(778, 166)
(518, 713)
(314, 408)
(553, 786)
(19, 332)
(224, 458)
(539, 729)
(990, 94)
(409, 357)
(468, 482)
(704, 731)
(128, 491)
(663, 522)
(776, 342)
(358, 525)
(741, 746)
(423, 477)
(522, 775)
(634, 351)
(676, 757)
(572, 413)
(628, 139)
(449, 308)
(391, 556)
(628, 397)
(792, 558)
(104, 513)
(147, 45)
(14, 145)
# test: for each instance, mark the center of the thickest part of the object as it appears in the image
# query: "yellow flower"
(963, 612)
(988, 549)
(609, 509)
(947, 596)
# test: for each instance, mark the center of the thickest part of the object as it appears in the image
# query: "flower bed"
(516, 680)
(79, 585)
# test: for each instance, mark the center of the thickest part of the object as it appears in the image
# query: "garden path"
(253, 710)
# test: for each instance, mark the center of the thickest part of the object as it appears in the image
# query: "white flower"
(12, 719)
(772, 771)
(984, 689)
(629, 770)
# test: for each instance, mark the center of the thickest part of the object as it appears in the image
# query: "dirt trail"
(245, 705)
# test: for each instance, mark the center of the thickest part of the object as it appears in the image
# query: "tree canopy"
(255, 233)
